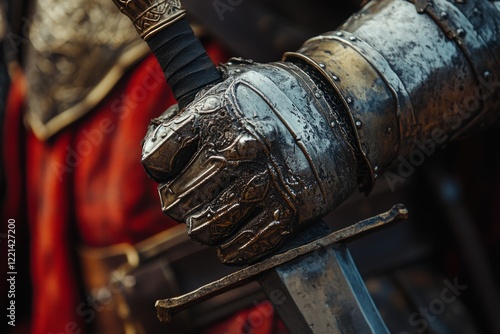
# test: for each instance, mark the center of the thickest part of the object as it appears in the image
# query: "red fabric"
(13, 205)
(259, 319)
(88, 181)
(86, 186)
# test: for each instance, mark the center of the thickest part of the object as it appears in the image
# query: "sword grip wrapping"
(184, 61)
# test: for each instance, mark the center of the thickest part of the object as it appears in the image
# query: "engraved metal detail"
(150, 16)
(78, 50)
(251, 160)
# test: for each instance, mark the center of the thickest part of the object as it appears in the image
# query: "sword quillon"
(167, 308)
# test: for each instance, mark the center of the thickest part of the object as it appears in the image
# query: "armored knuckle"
(473, 26)
(283, 108)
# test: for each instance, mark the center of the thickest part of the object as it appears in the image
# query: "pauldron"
(78, 51)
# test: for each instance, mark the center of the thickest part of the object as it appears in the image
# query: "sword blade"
(322, 293)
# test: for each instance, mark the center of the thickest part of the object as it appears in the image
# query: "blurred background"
(77, 91)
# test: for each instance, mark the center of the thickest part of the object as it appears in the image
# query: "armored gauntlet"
(252, 159)
(273, 147)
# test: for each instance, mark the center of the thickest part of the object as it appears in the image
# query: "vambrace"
(411, 71)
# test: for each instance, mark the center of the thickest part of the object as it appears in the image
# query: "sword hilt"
(184, 61)
(181, 55)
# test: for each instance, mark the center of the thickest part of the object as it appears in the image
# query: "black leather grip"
(184, 61)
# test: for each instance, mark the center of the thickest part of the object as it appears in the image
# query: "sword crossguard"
(167, 308)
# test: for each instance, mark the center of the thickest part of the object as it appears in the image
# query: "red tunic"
(86, 186)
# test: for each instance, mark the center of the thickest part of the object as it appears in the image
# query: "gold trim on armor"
(151, 16)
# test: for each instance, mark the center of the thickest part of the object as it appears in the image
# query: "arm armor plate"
(411, 71)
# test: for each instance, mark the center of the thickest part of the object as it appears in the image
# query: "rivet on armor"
(359, 124)
(322, 65)
(335, 78)
(353, 38)
(238, 71)
(444, 15)
(375, 168)
(487, 74)
(229, 64)
(460, 32)
(375, 176)
(349, 100)
(340, 34)
(388, 130)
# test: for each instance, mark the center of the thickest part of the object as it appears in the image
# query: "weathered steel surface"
(323, 293)
(412, 74)
(77, 52)
(252, 160)
(151, 16)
